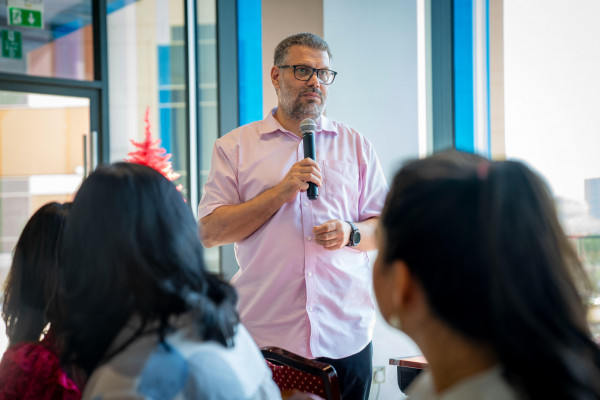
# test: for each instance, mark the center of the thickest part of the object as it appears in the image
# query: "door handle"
(93, 150)
(85, 156)
(90, 153)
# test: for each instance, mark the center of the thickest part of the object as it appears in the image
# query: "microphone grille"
(307, 125)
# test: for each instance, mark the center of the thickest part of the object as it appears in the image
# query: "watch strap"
(353, 230)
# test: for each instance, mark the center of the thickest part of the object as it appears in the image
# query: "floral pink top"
(32, 371)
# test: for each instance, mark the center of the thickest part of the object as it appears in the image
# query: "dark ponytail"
(484, 240)
(219, 313)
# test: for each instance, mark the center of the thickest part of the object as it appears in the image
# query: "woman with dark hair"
(141, 313)
(30, 368)
(474, 266)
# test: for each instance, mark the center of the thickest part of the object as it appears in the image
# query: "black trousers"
(354, 373)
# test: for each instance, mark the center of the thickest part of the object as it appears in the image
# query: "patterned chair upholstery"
(293, 372)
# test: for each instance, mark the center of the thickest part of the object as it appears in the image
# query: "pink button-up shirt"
(293, 293)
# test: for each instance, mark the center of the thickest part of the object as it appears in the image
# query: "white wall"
(282, 18)
(123, 99)
(374, 46)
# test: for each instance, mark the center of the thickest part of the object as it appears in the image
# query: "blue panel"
(70, 27)
(164, 117)
(164, 64)
(164, 95)
(463, 75)
(249, 60)
(64, 29)
(116, 5)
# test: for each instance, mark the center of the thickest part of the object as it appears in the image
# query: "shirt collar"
(271, 125)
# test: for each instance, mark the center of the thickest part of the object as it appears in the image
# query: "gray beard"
(292, 107)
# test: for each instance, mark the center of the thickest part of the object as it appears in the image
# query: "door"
(45, 150)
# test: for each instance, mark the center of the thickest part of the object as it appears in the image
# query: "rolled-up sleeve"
(374, 187)
(221, 187)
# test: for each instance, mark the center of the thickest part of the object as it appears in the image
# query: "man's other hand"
(333, 234)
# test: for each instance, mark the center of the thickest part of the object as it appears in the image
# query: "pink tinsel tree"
(149, 153)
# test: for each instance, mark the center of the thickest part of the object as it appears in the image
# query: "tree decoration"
(151, 154)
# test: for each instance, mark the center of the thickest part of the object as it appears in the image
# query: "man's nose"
(313, 81)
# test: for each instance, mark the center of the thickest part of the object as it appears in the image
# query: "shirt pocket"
(341, 183)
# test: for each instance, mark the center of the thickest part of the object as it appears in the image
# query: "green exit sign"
(11, 44)
(24, 17)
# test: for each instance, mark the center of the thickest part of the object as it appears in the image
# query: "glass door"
(44, 153)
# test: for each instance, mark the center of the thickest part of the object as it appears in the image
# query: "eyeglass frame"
(314, 71)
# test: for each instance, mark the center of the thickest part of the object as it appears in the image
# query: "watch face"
(356, 237)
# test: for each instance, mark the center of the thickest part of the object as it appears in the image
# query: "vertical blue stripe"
(463, 75)
(164, 96)
(249, 60)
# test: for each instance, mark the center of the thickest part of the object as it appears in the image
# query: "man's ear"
(275, 77)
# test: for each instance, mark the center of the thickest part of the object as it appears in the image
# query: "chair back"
(293, 372)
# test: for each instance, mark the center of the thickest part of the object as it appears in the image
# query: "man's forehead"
(300, 52)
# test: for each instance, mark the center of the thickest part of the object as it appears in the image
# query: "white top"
(184, 368)
(487, 385)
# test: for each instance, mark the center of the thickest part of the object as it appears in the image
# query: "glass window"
(146, 54)
(47, 38)
(551, 82)
(208, 112)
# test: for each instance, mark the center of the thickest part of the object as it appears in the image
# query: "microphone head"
(307, 125)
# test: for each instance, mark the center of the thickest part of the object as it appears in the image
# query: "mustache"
(313, 90)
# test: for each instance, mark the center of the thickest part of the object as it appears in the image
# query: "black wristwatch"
(354, 235)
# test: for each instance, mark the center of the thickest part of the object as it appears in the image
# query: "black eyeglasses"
(304, 73)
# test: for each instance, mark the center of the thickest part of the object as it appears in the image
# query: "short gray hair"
(300, 39)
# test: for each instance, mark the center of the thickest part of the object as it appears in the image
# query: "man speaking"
(305, 279)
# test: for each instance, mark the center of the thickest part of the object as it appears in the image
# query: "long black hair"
(132, 249)
(31, 285)
(484, 240)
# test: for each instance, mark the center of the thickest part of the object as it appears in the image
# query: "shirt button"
(310, 309)
(310, 237)
(310, 274)
(305, 204)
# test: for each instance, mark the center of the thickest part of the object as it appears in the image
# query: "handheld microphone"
(308, 128)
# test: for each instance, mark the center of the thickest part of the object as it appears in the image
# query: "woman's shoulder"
(487, 385)
(237, 372)
(185, 367)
